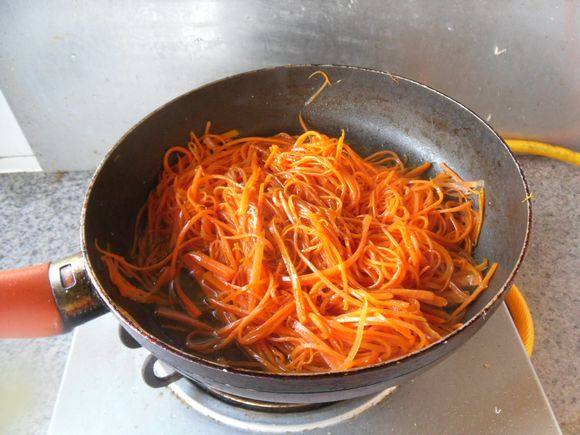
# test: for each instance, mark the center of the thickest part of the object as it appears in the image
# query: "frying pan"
(377, 110)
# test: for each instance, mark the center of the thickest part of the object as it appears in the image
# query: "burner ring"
(255, 420)
(259, 405)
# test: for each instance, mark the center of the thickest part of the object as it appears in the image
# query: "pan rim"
(127, 320)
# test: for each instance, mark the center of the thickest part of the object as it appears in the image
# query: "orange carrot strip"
(208, 263)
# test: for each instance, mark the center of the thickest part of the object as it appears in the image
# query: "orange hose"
(522, 318)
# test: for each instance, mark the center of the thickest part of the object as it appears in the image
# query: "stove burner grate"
(259, 405)
(253, 415)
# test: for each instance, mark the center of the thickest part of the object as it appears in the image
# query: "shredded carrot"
(310, 258)
(326, 82)
(481, 287)
(393, 78)
(302, 123)
(528, 197)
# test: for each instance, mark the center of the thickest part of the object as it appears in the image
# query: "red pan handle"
(27, 305)
(46, 299)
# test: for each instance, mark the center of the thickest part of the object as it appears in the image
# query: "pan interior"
(376, 111)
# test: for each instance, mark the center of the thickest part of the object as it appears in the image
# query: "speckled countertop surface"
(39, 220)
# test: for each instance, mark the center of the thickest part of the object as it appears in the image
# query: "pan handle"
(152, 379)
(46, 299)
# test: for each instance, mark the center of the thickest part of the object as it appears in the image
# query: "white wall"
(15, 152)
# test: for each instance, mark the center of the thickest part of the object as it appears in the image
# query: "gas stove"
(487, 386)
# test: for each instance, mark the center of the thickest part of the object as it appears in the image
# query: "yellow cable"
(515, 301)
(522, 318)
(521, 146)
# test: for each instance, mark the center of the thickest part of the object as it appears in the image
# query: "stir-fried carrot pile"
(310, 257)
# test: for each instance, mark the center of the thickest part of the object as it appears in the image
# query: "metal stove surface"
(487, 386)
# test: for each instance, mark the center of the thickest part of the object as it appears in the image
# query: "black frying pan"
(377, 111)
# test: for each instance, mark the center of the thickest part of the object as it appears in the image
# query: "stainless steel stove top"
(487, 386)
